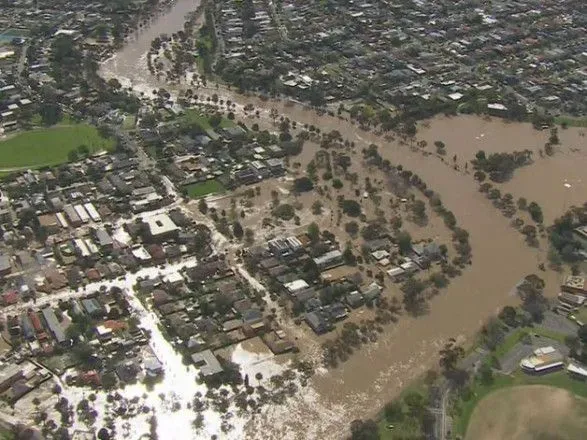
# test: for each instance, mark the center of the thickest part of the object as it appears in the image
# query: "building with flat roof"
(207, 363)
(542, 360)
(296, 286)
(575, 284)
(161, 227)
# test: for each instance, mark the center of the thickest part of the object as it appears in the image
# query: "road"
(127, 283)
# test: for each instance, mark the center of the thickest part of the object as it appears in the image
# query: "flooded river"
(500, 258)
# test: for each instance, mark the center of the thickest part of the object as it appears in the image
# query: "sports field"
(49, 146)
(202, 189)
(529, 412)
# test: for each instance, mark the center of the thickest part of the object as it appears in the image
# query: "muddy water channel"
(360, 386)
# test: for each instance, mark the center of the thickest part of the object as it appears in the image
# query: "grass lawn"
(408, 427)
(49, 146)
(516, 336)
(129, 122)
(197, 190)
(571, 122)
(581, 315)
(193, 116)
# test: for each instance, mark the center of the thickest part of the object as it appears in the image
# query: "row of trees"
(500, 166)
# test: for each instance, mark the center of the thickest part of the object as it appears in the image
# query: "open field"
(529, 412)
(49, 146)
(479, 391)
(197, 190)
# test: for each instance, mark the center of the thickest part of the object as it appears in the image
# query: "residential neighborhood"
(252, 219)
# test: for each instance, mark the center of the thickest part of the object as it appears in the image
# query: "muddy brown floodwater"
(360, 386)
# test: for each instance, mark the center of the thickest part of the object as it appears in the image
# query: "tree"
(51, 113)
(535, 212)
(439, 280)
(352, 228)
(531, 292)
(237, 230)
(215, 120)
(404, 241)
(414, 302)
(249, 236)
(303, 184)
(364, 430)
(393, 412)
(103, 434)
(486, 374)
(509, 316)
(348, 256)
(83, 150)
(284, 212)
(450, 354)
(337, 184)
(493, 333)
(351, 208)
(317, 207)
(203, 206)
(419, 209)
(313, 232)
(73, 156)
(416, 404)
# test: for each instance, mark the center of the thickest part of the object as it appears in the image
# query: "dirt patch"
(529, 412)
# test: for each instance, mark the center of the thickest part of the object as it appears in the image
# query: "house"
(127, 372)
(9, 298)
(54, 325)
(207, 363)
(296, 286)
(317, 322)
(50, 223)
(354, 299)
(5, 266)
(92, 307)
(153, 367)
(103, 239)
(329, 259)
(72, 216)
(10, 374)
(396, 273)
(580, 234)
(337, 311)
(372, 293)
(277, 342)
(276, 166)
(55, 280)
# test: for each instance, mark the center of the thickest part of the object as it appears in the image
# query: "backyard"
(49, 146)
